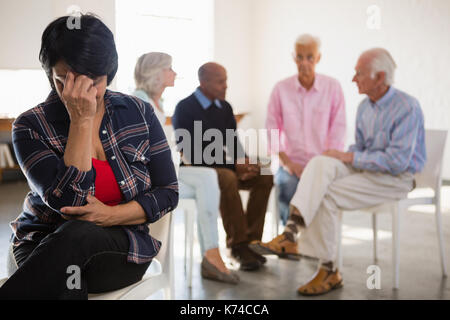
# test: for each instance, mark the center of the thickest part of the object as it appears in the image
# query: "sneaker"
(281, 246)
(246, 258)
(323, 282)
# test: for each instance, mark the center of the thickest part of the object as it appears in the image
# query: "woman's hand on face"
(94, 211)
(79, 96)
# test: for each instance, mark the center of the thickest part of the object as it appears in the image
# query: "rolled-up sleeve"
(46, 172)
(163, 195)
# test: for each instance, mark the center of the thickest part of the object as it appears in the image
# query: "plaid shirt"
(136, 149)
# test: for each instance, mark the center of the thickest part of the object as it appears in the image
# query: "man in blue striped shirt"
(380, 166)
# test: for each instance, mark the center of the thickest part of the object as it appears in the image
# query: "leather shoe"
(246, 258)
(258, 257)
(209, 271)
(280, 245)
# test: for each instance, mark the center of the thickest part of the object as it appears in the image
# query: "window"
(183, 29)
(21, 90)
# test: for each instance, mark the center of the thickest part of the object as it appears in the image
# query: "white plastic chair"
(160, 274)
(189, 207)
(430, 177)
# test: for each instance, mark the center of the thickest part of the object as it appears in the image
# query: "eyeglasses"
(300, 58)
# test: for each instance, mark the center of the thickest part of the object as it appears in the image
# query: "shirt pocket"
(138, 159)
(139, 154)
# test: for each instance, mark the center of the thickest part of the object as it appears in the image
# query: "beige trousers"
(328, 186)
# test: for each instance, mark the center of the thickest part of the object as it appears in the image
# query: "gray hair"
(382, 61)
(306, 39)
(148, 70)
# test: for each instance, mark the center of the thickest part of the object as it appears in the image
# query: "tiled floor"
(420, 273)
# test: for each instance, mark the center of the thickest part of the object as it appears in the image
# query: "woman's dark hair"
(87, 47)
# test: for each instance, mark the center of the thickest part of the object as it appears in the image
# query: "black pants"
(45, 270)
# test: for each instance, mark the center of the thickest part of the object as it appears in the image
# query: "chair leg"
(439, 233)
(191, 246)
(186, 236)
(339, 242)
(170, 291)
(276, 215)
(188, 244)
(375, 239)
(168, 294)
(396, 244)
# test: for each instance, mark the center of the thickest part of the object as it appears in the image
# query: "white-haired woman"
(153, 73)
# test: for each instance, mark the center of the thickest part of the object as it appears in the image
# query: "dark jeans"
(100, 253)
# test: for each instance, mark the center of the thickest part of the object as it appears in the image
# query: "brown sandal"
(323, 282)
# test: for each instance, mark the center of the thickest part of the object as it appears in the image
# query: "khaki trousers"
(328, 186)
(243, 226)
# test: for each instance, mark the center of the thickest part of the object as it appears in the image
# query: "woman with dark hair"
(99, 168)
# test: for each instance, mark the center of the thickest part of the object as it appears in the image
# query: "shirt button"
(122, 183)
(113, 158)
(142, 158)
(104, 131)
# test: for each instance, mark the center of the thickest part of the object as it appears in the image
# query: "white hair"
(382, 61)
(148, 71)
(306, 39)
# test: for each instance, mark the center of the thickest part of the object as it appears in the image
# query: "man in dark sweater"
(205, 128)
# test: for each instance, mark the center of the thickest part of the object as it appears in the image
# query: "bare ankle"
(213, 257)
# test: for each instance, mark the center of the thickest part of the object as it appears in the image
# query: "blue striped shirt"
(390, 135)
(136, 149)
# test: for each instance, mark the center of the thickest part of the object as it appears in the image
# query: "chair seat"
(407, 202)
(155, 269)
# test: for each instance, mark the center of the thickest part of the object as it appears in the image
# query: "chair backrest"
(430, 177)
(163, 229)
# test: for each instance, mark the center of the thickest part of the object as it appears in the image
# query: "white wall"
(414, 31)
(23, 21)
(233, 48)
(254, 40)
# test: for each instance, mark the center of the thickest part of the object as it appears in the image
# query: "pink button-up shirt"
(309, 122)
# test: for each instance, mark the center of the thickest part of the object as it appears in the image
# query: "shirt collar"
(141, 94)
(204, 101)
(384, 100)
(316, 85)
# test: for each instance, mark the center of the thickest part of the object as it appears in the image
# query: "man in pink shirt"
(308, 109)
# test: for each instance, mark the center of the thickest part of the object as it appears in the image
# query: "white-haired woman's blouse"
(141, 94)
